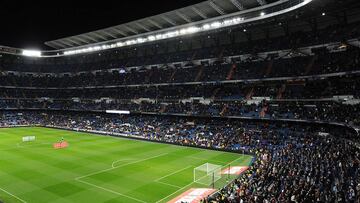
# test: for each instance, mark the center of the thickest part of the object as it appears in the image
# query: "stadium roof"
(202, 11)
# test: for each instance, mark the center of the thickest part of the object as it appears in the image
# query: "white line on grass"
(158, 180)
(18, 198)
(111, 191)
(30, 145)
(173, 173)
(168, 184)
(114, 167)
(121, 165)
(235, 160)
(18, 146)
(120, 160)
(193, 157)
(175, 192)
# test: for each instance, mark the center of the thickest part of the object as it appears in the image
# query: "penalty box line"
(9, 193)
(111, 191)
(175, 172)
(175, 192)
(114, 167)
(119, 166)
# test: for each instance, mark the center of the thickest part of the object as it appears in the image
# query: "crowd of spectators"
(312, 169)
(326, 111)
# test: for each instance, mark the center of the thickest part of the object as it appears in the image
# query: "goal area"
(207, 174)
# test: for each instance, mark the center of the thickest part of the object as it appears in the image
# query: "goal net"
(207, 174)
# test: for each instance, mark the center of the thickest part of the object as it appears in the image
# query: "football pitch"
(98, 168)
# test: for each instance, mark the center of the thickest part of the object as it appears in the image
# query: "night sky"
(28, 24)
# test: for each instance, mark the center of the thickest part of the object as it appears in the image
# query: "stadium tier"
(220, 102)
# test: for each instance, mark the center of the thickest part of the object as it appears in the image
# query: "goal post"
(207, 174)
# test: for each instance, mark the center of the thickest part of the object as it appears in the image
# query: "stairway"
(213, 96)
(162, 109)
(193, 56)
(231, 72)
(199, 74)
(221, 53)
(281, 91)
(23, 94)
(224, 110)
(149, 75)
(172, 75)
(44, 105)
(269, 68)
(310, 65)
(263, 111)
(250, 93)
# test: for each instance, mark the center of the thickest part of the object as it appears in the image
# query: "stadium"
(220, 101)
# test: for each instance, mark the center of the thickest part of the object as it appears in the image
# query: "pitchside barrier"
(28, 138)
(60, 145)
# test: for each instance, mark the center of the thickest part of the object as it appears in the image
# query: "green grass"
(98, 168)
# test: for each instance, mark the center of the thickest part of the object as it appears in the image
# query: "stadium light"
(151, 38)
(161, 36)
(215, 24)
(31, 53)
(117, 112)
(206, 26)
(262, 14)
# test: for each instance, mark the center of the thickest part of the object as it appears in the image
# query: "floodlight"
(140, 40)
(31, 53)
(192, 29)
(206, 26)
(215, 24)
(151, 38)
(117, 111)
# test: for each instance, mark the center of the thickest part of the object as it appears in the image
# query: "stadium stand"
(289, 97)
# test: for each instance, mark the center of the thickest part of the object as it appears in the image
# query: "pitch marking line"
(173, 173)
(235, 160)
(121, 165)
(111, 191)
(18, 146)
(114, 167)
(175, 192)
(120, 160)
(18, 198)
(214, 161)
(168, 184)
(31, 145)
